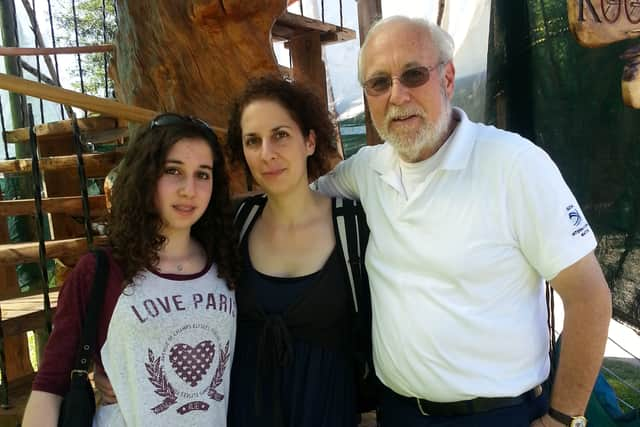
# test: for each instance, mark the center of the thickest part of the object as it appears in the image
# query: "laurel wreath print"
(217, 378)
(159, 380)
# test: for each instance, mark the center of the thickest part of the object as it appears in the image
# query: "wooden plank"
(88, 126)
(69, 97)
(10, 293)
(19, 307)
(31, 51)
(71, 205)
(19, 253)
(26, 322)
(95, 164)
(290, 25)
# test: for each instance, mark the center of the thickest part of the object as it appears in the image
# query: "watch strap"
(560, 416)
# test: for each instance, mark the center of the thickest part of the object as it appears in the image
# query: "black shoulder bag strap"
(90, 321)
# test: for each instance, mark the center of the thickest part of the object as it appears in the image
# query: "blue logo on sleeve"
(574, 217)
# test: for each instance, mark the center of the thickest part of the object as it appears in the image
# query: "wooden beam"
(369, 11)
(69, 97)
(308, 67)
(86, 125)
(20, 253)
(71, 205)
(290, 25)
(95, 164)
(30, 51)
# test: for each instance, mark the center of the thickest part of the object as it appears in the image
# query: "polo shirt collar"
(458, 148)
(460, 143)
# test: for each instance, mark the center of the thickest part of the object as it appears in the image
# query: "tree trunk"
(192, 56)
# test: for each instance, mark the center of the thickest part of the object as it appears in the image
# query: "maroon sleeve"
(60, 352)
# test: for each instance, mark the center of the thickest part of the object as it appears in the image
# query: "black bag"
(79, 404)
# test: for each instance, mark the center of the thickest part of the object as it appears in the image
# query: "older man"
(467, 222)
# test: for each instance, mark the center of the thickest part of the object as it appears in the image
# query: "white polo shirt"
(457, 267)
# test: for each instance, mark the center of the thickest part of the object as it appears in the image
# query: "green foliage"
(90, 16)
(629, 371)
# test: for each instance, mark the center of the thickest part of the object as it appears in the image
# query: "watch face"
(579, 422)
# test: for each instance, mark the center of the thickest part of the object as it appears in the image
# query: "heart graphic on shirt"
(192, 363)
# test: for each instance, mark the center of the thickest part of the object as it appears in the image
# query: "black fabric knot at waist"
(275, 344)
(275, 351)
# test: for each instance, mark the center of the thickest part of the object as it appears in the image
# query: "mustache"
(395, 112)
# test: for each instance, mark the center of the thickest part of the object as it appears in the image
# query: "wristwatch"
(568, 420)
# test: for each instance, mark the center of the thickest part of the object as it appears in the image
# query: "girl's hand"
(107, 396)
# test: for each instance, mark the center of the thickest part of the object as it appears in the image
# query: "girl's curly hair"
(304, 107)
(134, 224)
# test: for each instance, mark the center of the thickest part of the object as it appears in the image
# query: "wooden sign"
(596, 23)
(601, 22)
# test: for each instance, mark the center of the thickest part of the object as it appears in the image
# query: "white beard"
(412, 146)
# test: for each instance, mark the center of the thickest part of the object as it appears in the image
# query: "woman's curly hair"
(304, 107)
(134, 224)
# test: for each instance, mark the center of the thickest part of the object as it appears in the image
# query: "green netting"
(567, 99)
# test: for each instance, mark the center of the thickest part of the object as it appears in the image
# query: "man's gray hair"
(439, 37)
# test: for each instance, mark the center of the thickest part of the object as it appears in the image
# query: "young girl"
(167, 327)
(292, 365)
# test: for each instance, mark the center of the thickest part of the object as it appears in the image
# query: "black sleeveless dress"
(292, 365)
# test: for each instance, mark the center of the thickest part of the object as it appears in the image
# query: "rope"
(37, 196)
(83, 183)
(55, 57)
(624, 349)
(4, 132)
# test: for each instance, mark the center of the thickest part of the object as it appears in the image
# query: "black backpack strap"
(247, 213)
(551, 325)
(92, 314)
(352, 233)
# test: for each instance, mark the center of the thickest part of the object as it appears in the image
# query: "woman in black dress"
(292, 364)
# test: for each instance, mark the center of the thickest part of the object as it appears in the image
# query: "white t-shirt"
(168, 352)
(457, 269)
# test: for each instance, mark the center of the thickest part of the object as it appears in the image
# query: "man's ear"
(310, 143)
(448, 79)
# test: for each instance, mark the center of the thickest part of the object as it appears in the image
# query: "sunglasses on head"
(410, 78)
(171, 119)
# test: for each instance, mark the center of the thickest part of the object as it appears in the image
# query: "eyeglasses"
(411, 78)
(172, 119)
